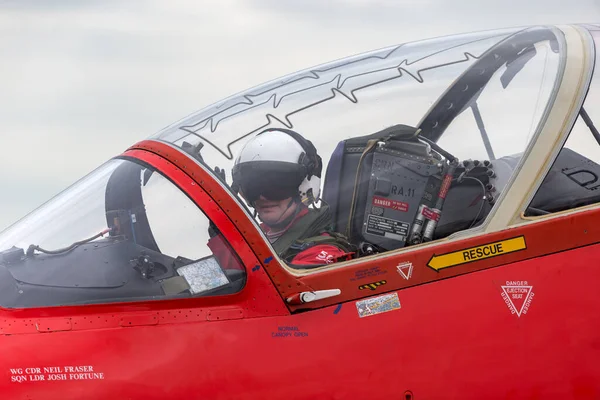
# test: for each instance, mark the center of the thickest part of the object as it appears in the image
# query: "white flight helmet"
(278, 164)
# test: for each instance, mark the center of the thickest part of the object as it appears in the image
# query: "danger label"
(445, 186)
(517, 297)
(430, 214)
(388, 203)
(387, 227)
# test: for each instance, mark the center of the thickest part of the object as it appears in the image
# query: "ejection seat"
(374, 195)
(573, 181)
(376, 184)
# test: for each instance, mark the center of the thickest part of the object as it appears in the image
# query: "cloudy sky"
(80, 80)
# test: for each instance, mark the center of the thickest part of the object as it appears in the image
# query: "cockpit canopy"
(419, 142)
(473, 100)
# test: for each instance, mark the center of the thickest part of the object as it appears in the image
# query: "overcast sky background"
(81, 80)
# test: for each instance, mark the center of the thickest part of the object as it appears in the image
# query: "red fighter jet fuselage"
(463, 170)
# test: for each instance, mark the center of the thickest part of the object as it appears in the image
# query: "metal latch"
(307, 297)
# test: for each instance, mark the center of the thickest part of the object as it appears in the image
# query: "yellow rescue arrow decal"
(477, 253)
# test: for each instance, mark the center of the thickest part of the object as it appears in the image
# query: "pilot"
(278, 173)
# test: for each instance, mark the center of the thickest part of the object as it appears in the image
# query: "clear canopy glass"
(125, 232)
(480, 96)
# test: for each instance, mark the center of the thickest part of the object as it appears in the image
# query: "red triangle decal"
(516, 297)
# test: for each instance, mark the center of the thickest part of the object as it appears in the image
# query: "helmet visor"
(270, 179)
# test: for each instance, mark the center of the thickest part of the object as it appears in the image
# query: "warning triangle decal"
(405, 270)
(517, 296)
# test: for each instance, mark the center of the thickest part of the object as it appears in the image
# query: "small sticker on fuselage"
(518, 296)
(378, 305)
(372, 285)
